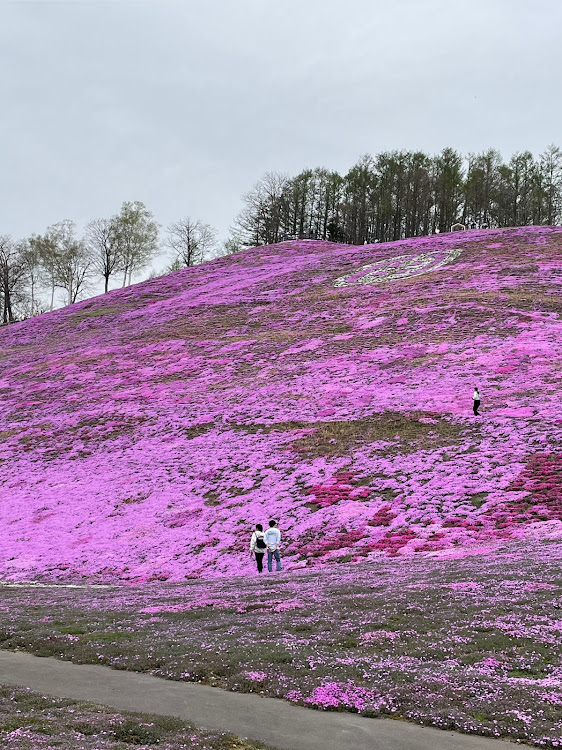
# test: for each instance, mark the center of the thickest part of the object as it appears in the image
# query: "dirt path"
(272, 721)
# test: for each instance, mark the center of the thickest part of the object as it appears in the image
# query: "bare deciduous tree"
(71, 262)
(46, 247)
(102, 239)
(30, 252)
(12, 278)
(262, 220)
(191, 241)
(232, 245)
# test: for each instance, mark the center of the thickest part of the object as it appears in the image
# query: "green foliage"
(398, 194)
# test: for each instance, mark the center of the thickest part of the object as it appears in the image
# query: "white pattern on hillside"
(399, 267)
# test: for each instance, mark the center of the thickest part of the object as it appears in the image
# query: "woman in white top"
(476, 401)
(258, 546)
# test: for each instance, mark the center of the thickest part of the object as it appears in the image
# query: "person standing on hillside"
(258, 546)
(476, 401)
(273, 541)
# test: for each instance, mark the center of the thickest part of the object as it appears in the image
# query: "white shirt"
(254, 542)
(476, 396)
(273, 537)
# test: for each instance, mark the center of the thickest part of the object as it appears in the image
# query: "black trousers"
(476, 407)
(259, 560)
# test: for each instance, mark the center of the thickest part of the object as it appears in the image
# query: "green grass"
(447, 642)
(343, 437)
(95, 312)
(71, 630)
(28, 720)
(479, 499)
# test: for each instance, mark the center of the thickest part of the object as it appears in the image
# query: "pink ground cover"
(144, 432)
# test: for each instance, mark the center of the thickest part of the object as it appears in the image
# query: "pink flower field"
(144, 432)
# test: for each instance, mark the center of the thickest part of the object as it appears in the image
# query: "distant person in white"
(273, 541)
(476, 401)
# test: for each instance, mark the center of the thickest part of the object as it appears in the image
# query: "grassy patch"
(94, 312)
(71, 629)
(258, 427)
(479, 499)
(342, 437)
(198, 430)
(110, 637)
(27, 719)
(212, 499)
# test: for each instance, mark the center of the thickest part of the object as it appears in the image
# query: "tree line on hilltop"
(399, 194)
(390, 196)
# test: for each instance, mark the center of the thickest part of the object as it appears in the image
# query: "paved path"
(251, 716)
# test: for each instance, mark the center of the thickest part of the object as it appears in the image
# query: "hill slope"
(144, 432)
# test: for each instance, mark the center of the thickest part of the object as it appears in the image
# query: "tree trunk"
(7, 314)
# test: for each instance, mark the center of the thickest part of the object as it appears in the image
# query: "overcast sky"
(184, 104)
